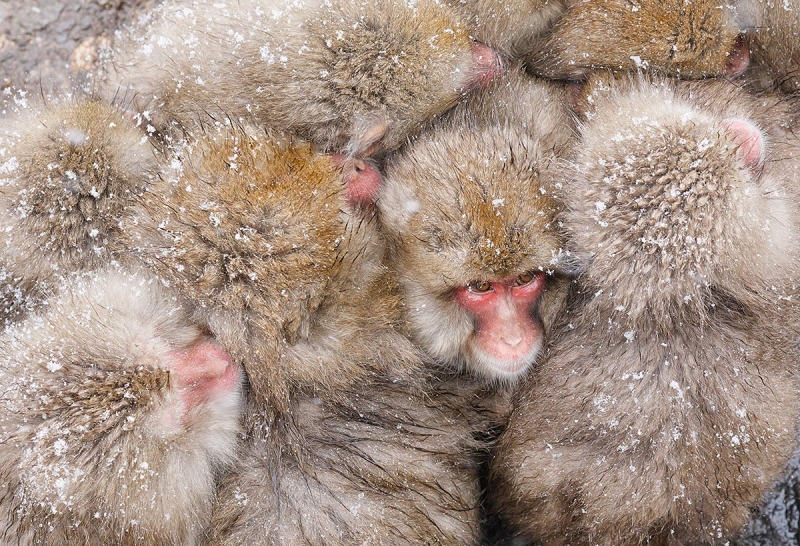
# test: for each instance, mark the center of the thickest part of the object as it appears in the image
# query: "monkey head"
(469, 216)
(671, 181)
(72, 169)
(396, 67)
(266, 236)
(685, 39)
(118, 414)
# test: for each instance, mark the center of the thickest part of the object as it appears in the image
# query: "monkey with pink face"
(468, 210)
(667, 403)
(265, 246)
(345, 443)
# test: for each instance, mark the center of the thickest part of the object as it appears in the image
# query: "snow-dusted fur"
(344, 445)
(351, 76)
(668, 403)
(96, 444)
(685, 39)
(256, 239)
(68, 172)
(512, 28)
(776, 45)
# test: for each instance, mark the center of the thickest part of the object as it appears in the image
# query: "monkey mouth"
(508, 365)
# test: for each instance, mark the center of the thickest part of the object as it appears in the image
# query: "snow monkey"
(686, 39)
(353, 77)
(667, 403)
(344, 443)
(468, 210)
(68, 172)
(117, 416)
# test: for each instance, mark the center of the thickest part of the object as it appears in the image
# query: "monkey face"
(470, 217)
(507, 337)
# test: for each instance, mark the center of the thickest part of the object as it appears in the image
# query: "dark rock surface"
(51, 45)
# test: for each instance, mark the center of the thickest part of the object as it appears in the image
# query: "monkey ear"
(366, 139)
(749, 140)
(361, 178)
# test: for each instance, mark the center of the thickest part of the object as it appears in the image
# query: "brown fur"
(472, 199)
(511, 28)
(686, 39)
(339, 73)
(255, 230)
(343, 443)
(668, 402)
(71, 170)
(95, 446)
(776, 45)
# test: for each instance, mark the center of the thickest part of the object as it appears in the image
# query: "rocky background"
(51, 46)
(48, 45)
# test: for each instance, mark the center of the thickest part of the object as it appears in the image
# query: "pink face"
(507, 338)
(486, 66)
(361, 178)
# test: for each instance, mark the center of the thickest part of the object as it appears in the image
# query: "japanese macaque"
(776, 46)
(353, 77)
(685, 39)
(117, 416)
(344, 442)
(468, 210)
(667, 403)
(511, 28)
(68, 173)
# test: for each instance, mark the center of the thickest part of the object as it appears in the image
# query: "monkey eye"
(479, 286)
(525, 278)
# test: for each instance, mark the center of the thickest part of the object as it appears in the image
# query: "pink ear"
(486, 66)
(749, 139)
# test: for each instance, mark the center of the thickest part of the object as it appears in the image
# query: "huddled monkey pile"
(461, 272)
